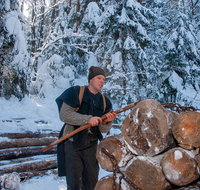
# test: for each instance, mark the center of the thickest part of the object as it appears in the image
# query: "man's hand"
(110, 116)
(95, 121)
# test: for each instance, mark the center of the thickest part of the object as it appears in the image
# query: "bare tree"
(77, 15)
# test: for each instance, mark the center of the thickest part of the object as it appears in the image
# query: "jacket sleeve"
(105, 127)
(70, 116)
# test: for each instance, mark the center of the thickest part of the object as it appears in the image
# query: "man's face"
(97, 82)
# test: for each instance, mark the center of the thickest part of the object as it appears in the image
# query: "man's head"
(94, 71)
(96, 79)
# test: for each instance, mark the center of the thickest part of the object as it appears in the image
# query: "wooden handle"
(66, 136)
(86, 126)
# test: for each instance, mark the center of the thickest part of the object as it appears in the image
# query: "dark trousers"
(82, 167)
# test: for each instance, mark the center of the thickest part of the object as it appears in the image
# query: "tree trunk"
(26, 159)
(7, 154)
(33, 29)
(53, 15)
(29, 134)
(31, 166)
(186, 129)
(77, 15)
(41, 25)
(115, 146)
(1, 73)
(179, 166)
(146, 129)
(107, 182)
(146, 173)
(13, 143)
(27, 175)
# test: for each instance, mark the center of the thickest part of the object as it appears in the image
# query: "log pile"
(21, 157)
(158, 149)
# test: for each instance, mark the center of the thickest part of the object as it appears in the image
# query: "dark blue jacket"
(91, 105)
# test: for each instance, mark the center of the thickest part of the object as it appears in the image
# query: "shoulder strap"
(81, 92)
(104, 103)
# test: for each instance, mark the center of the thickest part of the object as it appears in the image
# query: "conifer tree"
(181, 54)
(122, 40)
(13, 53)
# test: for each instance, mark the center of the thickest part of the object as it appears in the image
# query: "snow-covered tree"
(13, 53)
(121, 37)
(149, 49)
(181, 53)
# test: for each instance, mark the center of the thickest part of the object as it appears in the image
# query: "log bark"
(26, 159)
(13, 143)
(107, 182)
(29, 134)
(13, 153)
(147, 128)
(197, 158)
(27, 175)
(30, 166)
(186, 129)
(179, 166)
(146, 173)
(115, 146)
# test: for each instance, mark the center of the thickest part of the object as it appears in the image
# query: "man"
(77, 155)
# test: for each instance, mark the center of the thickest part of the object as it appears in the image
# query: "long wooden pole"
(86, 126)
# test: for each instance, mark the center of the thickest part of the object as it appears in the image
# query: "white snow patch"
(178, 155)
(149, 114)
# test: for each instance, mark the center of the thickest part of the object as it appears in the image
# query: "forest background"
(148, 48)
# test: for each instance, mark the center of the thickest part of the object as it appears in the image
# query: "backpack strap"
(104, 103)
(81, 92)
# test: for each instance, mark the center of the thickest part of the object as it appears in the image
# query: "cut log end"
(12, 181)
(186, 129)
(108, 183)
(146, 173)
(146, 128)
(179, 167)
(115, 146)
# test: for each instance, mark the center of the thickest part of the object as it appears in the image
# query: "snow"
(171, 174)
(45, 182)
(93, 14)
(149, 114)
(178, 155)
(188, 92)
(23, 115)
(129, 43)
(7, 5)
(130, 148)
(117, 61)
(135, 117)
(12, 182)
(14, 28)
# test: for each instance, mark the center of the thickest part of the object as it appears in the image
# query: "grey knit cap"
(94, 71)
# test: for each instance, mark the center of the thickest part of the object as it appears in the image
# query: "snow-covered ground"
(50, 182)
(27, 111)
(35, 114)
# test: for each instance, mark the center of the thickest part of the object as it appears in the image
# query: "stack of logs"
(21, 156)
(157, 150)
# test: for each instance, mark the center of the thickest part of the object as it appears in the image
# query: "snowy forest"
(149, 49)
